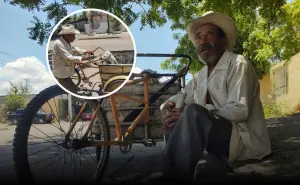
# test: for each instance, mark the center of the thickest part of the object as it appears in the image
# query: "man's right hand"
(170, 115)
(85, 57)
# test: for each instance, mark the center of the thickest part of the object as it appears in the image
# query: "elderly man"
(223, 119)
(65, 56)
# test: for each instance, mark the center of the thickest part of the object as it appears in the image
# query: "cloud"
(164, 79)
(28, 67)
(136, 70)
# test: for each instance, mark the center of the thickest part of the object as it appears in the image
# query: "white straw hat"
(219, 19)
(68, 29)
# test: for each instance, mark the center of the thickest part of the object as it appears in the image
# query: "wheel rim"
(69, 165)
(76, 78)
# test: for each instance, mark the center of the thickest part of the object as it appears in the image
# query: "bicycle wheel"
(58, 155)
(76, 78)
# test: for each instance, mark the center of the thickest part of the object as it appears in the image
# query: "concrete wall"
(266, 90)
(290, 96)
(102, 28)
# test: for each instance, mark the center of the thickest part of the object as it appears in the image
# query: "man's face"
(210, 45)
(70, 37)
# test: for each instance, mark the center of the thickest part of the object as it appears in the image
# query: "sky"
(24, 58)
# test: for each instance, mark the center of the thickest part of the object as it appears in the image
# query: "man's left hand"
(89, 52)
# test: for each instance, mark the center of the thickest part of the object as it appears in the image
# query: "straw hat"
(219, 19)
(68, 29)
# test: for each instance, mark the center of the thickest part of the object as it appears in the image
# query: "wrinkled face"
(210, 43)
(70, 37)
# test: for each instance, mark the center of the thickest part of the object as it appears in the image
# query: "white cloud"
(28, 67)
(136, 70)
(164, 79)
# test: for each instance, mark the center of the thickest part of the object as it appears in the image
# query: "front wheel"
(39, 151)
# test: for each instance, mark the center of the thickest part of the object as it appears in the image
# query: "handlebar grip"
(182, 71)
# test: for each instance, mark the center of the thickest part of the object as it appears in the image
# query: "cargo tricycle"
(79, 150)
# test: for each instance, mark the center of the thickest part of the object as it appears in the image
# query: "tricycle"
(104, 67)
(127, 117)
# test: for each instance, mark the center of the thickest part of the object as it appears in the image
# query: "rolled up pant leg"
(68, 84)
(195, 131)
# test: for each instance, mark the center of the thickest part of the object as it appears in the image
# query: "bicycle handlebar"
(182, 71)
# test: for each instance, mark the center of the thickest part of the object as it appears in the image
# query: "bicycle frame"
(138, 114)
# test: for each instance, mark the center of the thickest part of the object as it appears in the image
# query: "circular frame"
(134, 57)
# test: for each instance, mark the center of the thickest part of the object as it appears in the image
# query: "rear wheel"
(39, 152)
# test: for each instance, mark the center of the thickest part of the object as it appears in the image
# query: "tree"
(268, 29)
(15, 97)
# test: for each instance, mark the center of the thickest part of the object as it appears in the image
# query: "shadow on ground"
(141, 161)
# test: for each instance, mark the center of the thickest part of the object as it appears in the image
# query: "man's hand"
(170, 115)
(89, 53)
(85, 57)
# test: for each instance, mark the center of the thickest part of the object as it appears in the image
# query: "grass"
(276, 110)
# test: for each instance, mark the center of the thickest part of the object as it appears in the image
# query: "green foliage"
(273, 111)
(265, 33)
(15, 97)
(268, 29)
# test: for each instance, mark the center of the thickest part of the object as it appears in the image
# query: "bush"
(274, 110)
(15, 98)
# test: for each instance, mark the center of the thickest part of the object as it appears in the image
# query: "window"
(280, 80)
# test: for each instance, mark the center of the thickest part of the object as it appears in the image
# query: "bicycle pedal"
(149, 143)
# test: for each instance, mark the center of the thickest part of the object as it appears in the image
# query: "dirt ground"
(285, 158)
(282, 164)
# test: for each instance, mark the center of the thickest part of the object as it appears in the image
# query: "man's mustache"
(204, 47)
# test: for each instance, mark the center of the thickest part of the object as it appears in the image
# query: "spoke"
(59, 159)
(45, 134)
(61, 129)
(44, 149)
(57, 113)
(43, 139)
(80, 129)
(87, 160)
(44, 160)
(89, 154)
(65, 163)
(40, 143)
(58, 163)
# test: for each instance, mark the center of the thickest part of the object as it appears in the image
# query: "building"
(281, 85)
(98, 22)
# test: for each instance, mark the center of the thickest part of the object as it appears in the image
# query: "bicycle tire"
(20, 141)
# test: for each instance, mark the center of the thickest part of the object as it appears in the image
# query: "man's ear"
(224, 42)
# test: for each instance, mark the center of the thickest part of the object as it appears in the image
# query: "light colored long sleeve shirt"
(64, 56)
(235, 92)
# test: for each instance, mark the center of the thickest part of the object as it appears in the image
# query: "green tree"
(15, 97)
(268, 29)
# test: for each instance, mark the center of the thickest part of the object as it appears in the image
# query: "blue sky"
(14, 40)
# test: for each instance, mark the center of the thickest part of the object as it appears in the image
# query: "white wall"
(102, 29)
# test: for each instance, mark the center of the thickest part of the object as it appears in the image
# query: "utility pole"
(108, 25)
(70, 108)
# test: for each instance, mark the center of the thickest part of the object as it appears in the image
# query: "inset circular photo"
(91, 53)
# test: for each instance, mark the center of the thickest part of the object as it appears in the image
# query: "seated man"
(223, 116)
(65, 56)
